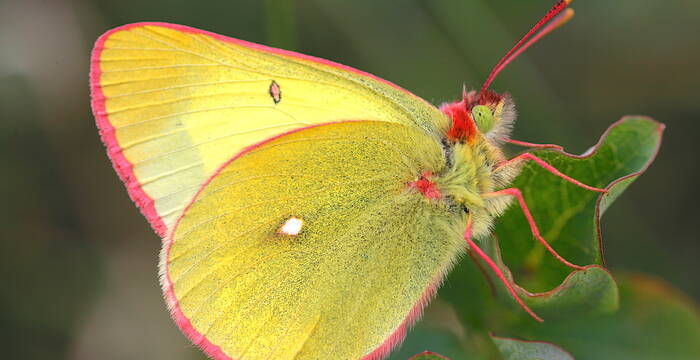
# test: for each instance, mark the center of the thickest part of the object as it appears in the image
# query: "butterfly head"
(487, 114)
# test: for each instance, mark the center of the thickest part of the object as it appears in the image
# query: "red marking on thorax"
(463, 126)
(427, 187)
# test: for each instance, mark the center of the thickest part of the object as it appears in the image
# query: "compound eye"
(484, 118)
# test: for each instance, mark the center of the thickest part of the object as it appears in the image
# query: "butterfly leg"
(533, 145)
(530, 157)
(533, 227)
(474, 248)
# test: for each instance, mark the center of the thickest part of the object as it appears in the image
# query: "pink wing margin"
(121, 164)
(213, 350)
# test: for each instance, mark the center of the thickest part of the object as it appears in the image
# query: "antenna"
(552, 20)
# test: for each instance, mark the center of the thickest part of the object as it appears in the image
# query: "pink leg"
(496, 270)
(551, 169)
(535, 231)
(533, 145)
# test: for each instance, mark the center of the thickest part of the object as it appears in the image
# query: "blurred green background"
(78, 263)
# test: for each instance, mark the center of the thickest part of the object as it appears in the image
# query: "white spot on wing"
(292, 226)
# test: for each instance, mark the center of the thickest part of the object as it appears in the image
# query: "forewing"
(369, 254)
(173, 103)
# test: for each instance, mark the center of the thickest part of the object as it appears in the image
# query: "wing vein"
(186, 86)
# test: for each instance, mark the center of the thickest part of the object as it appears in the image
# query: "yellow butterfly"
(308, 210)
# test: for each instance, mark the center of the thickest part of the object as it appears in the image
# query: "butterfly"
(307, 209)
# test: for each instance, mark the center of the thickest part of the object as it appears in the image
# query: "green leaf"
(569, 219)
(655, 321)
(568, 216)
(421, 338)
(428, 355)
(582, 292)
(513, 349)
(440, 332)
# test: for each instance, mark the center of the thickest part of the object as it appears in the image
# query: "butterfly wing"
(370, 251)
(173, 103)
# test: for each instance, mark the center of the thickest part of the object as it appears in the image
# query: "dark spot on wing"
(275, 92)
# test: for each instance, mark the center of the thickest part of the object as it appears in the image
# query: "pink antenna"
(523, 44)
